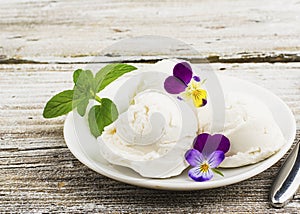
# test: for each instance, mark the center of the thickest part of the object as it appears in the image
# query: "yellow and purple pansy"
(186, 85)
(207, 154)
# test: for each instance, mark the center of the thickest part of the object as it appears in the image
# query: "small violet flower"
(207, 154)
(184, 83)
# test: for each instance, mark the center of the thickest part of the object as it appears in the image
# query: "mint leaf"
(110, 73)
(59, 105)
(83, 89)
(101, 116)
(81, 106)
(83, 79)
(76, 75)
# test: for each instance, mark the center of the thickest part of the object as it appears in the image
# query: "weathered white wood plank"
(39, 174)
(74, 28)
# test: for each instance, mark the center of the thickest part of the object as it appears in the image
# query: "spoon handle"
(287, 180)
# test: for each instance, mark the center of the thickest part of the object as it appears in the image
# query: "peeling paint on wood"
(73, 28)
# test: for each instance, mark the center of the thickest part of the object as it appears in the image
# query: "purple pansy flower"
(207, 154)
(183, 82)
(206, 143)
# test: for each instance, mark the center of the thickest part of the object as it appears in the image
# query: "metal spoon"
(287, 181)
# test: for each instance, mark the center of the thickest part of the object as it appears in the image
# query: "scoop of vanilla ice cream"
(250, 127)
(138, 123)
(152, 135)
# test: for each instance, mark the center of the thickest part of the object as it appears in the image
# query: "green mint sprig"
(86, 87)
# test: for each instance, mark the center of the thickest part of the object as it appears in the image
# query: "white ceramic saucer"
(86, 149)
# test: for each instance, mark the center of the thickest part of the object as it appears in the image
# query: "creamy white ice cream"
(152, 133)
(250, 127)
(154, 130)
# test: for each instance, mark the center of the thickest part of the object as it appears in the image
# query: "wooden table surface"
(42, 42)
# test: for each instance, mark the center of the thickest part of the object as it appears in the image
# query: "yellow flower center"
(195, 92)
(204, 167)
(193, 85)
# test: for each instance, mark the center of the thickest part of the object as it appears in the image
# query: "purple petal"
(174, 85)
(183, 71)
(207, 143)
(196, 78)
(216, 158)
(222, 142)
(200, 141)
(198, 175)
(194, 157)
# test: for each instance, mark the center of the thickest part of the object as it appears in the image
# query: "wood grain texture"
(49, 28)
(39, 174)
(42, 42)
